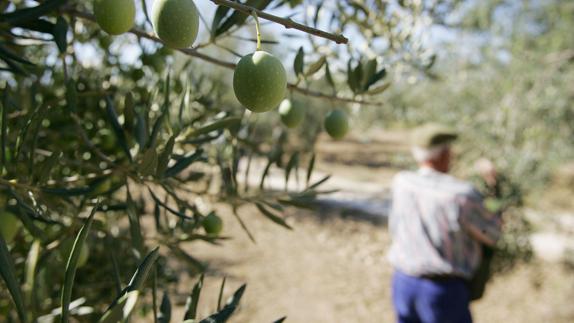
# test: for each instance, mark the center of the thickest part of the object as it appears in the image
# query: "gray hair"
(422, 155)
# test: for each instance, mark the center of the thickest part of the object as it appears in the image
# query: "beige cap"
(432, 135)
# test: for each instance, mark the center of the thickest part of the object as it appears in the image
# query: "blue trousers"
(421, 300)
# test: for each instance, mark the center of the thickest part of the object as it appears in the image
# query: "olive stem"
(288, 23)
(195, 53)
(258, 28)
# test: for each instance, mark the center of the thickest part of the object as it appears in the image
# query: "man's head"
(431, 146)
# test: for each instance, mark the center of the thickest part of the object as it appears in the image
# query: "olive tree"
(118, 111)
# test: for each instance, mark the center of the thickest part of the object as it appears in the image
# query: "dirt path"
(333, 269)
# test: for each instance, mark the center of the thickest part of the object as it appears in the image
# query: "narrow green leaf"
(379, 89)
(226, 123)
(119, 132)
(110, 245)
(67, 192)
(141, 274)
(357, 76)
(351, 81)
(8, 54)
(135, 226)
(141, 131)
(300, 202)
(60, 34)
(226, 312)
(123, 305)
(31, 13)
(310, 168)
(40, 25)
(164, 309)
(329, 77)
(183, 163)
(281, 320)
(72, 265)
(369, 69)
(4, 128)
(164, 157)
(12, 66)
(319, 182)
(316, 16)
(31, 265)
(184, 96)
(316, 66)
(193, 300)
(220, 297)
(299, 62)
(8, 274)
(272, 216)
(220, 13)
(122, 308)
(238, 17)
(293, 163)
(24, 130)
(377, 77)
(168, 208)
(164, 113)
(265, 172)
(243, 225)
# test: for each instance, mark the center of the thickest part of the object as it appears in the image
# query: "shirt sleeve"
(394, 202)
(477, 221)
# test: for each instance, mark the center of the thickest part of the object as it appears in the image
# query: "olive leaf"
(193, 300)
(118, 131)
(299, 62)
(225, 313)
(164, 309)
(26, 14)
(275, 218)
(124, 304)
(60, 33)
(72, 264)
(316, 66)
(8, 274)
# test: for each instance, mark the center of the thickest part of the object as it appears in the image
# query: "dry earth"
(333, 269)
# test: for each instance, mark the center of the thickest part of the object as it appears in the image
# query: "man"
(437, 225)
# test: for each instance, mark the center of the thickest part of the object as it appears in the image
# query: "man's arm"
(481, 224)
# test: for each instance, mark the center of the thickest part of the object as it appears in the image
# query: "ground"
(332, 268)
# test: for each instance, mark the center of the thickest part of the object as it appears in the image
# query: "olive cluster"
(259, 80)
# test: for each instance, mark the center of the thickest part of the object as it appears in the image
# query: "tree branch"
(288, 23)
(195, 53)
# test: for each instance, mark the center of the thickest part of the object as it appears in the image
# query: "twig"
(288, 23)
(195, 53)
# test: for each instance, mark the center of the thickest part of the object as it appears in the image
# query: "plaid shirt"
(430, 220)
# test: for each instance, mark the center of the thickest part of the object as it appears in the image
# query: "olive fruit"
(212, 224)
(176, 22)
(259, 81)
(115, 16)
(292, 114)
(337, 124)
